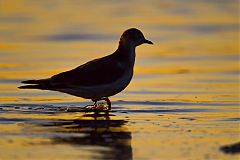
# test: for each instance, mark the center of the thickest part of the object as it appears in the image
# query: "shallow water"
(183, 102)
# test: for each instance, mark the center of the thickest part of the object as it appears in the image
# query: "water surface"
(183, 102)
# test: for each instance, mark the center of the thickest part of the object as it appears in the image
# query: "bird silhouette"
(100, 78)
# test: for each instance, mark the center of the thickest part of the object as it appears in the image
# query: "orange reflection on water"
(182, 102)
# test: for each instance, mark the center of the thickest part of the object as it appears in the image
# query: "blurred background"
(195, 52)
(183, 102)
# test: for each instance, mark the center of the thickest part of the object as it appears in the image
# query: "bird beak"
(147, 41)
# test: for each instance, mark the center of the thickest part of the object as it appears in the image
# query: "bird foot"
(97, 107)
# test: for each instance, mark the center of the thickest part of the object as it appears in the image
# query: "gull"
(100, 78)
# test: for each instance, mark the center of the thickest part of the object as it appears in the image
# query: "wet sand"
(133, 130)
(182, 103)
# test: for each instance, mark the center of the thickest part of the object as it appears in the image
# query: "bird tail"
(37, 84)
(31, 87)
(39, 81)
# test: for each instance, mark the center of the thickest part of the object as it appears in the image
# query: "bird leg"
(106, 99)
(108, 103)
(98, 107)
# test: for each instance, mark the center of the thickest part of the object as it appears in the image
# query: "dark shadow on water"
(75, 37)
(199, 29)
(231, 148)
(106, 138)
(118, 108)
(154, 111)
(120, 104)
(55, 109)
(106, 133)
(231, 119)
(174, 103)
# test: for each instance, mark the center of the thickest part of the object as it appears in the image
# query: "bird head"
(133, 37)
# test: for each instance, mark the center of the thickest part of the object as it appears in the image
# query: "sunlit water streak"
(183, 102)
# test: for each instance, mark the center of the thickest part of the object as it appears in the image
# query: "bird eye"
(138, 36)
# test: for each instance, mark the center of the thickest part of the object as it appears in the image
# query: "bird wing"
(97, 72)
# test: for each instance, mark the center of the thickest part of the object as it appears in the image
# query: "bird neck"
(126, 53)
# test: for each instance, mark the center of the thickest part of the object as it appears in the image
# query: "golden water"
(183, 102)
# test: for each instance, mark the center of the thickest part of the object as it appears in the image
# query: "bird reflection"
(105, 133)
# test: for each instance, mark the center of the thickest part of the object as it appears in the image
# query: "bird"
(100, 78)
